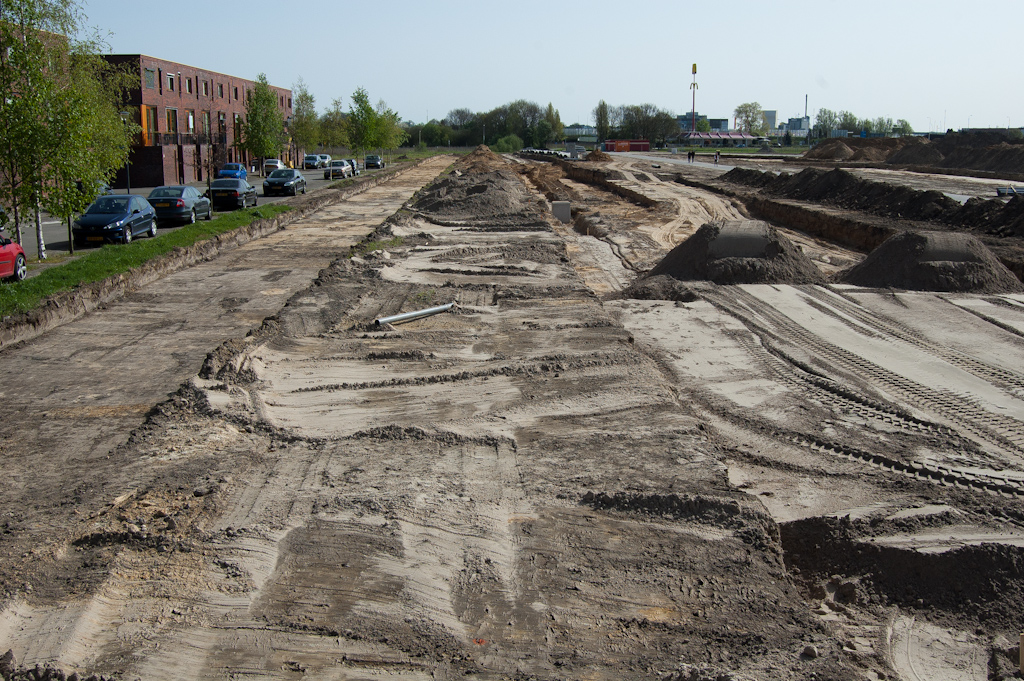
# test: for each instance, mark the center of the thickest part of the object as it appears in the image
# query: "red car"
(12, 261)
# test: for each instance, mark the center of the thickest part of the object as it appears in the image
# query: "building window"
(206, 89)
(222, 125)
(282, 101)
(170, 82)
(188, 86)
(172, 121)
(190, 122)
(236, 94)
(206, 123)
(220, 90)
(150, 78)
(289, 102)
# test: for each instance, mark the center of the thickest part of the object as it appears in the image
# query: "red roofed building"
(189, 117)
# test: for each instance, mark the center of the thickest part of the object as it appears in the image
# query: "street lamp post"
(127, 162)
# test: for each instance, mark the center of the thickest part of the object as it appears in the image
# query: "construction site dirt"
(694, 434)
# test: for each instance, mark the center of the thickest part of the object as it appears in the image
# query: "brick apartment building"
(189, 117)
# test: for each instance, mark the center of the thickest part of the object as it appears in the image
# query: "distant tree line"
(828, 121)
(635, 121)
(362, 128)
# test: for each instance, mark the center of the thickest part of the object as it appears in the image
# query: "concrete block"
(561, 211)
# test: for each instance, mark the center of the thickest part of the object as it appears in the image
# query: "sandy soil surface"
(550, 481)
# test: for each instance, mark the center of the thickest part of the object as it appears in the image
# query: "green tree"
(848, 122)
(903, 127)
(361, 122)
(750, 117)
(305, 125)
(825, 122)
(882, 124)
(601, 121)
(333, 126)
(508, 144)
(263, 131)
(388, 132)
(542, 134)
(59, 111)
(553, 119)
(703, 125)
(459, 118)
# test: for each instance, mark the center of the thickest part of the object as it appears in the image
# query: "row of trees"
(363, 127)
(827, 120)
(634, 121)
(62, 114)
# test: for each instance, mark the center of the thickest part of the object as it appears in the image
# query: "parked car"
(286, 181)
(272, 164)
(232, 193)
(325, 160)
(236, 170)
(310, 162)
(355, 165)
(12, 261)
(374, 161)
(179, 203)
(117, 217)
(338, 168)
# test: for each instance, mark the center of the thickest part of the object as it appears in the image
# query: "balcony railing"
(156, 139)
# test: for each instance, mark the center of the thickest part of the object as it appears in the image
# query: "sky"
(937, 63)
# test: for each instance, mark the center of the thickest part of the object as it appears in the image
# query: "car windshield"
(110, 205)
(338, 163)
(166, 192)
(282, 173)
(230, 184)
(312, 158)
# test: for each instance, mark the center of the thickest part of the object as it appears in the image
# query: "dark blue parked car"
(233, 170)
(115, 218)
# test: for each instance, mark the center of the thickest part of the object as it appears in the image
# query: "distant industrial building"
(191, 119)
(686, 121)
(769, 117)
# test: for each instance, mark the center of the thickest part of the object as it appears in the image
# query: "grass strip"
(113, 259)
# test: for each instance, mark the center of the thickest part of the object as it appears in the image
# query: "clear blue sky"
(936, 63)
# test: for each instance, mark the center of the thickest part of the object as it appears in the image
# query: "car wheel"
(20, 268)
(152, 226)
(192, 217)
(209, 212)
(255, 201)
(303, 189)
(128, 234)
(294, 191)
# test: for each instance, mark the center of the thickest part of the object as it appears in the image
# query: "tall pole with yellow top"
(693, 107)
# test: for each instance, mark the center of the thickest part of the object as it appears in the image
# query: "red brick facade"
(189, 117)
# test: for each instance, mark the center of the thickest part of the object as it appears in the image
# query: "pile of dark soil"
(481, 189)
(597, 155)
(874, 149)
(933, 261)
(842, 189)
(992, 152)
(738, 252)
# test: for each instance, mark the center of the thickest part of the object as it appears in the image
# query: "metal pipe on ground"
(409, 316)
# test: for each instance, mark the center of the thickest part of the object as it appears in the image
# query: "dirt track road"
(72, 396)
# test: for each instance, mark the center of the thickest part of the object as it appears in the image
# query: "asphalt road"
(55, 232)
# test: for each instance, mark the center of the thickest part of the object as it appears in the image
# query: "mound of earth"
(738, 252)
(842, 189)
(597, 155)
(933, 261)
(918, 152)
(872, 149)
(481, 189)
